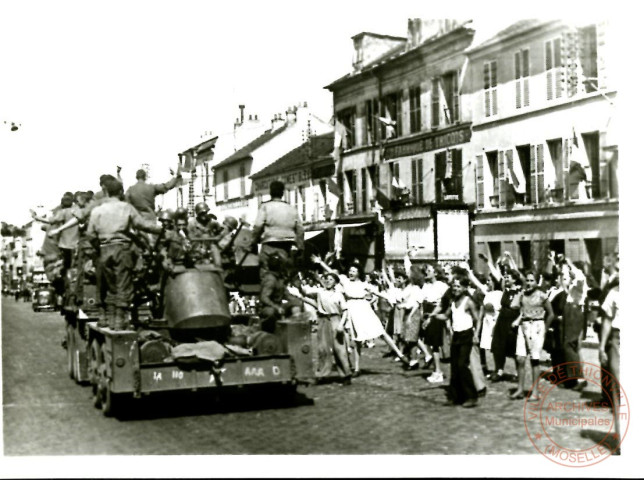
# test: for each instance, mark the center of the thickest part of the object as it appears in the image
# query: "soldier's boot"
(120, 322)
(102, 318)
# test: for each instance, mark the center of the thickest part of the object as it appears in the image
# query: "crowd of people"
(425, 313)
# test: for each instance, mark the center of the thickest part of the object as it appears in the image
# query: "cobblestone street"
(386, 410)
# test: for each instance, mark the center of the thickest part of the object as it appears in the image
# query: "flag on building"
(188, 163)
(515, 173)
(339, 142)
(382, 199)
(397, 183)
(578, 154)
(390, 125)
(333, 187)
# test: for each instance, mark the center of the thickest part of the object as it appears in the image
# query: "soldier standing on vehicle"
(278, 228)
(110, 223)
(142, 194)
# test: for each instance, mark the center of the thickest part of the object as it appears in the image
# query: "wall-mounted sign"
(428, 142)
(292, 178)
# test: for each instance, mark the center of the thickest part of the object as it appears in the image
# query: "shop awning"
(311, 234)
(351, 225)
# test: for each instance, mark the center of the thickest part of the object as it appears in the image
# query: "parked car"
(44, 297)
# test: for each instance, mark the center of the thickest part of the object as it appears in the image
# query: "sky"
(97, 84)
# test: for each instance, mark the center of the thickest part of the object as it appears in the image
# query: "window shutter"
(526, 77)
(456, 107)
(565, 166)
(571, 56)
(533, 175)
(414, 186)
(457, 171)
(480, 182)
(502, 181)
(549, 71)
(517, 78)
(559, 78)
(600, 43)
(419, 180)
(439, 162)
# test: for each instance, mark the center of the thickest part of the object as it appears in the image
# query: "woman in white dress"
(363, 322)
(490, 306)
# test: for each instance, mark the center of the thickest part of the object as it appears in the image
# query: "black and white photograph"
(348, 239)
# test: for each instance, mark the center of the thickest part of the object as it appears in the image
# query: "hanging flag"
(461, 74)
(390, 125)
(448, 164)
(339, 142)
(577, 153)
(337, 241)
(515, 173)
(443, 104)
(383, 199)
(333, 187)
(189, 164)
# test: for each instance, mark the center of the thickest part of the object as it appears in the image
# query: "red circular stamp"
(557, 427)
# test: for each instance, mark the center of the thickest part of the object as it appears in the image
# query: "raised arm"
(319, 261)
(169, 185)
(492, 267)
(72, 222)
(475, 281)
(38, 218)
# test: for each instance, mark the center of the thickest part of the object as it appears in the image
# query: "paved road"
(385, 411)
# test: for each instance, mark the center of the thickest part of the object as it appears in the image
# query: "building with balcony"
(542, 101)
(406, 152)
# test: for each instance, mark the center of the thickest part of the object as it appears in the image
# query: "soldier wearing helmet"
(203, 225)
(166, 218)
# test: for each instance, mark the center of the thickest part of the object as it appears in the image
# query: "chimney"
(291, 115)
(277, 122)
(241, 113)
